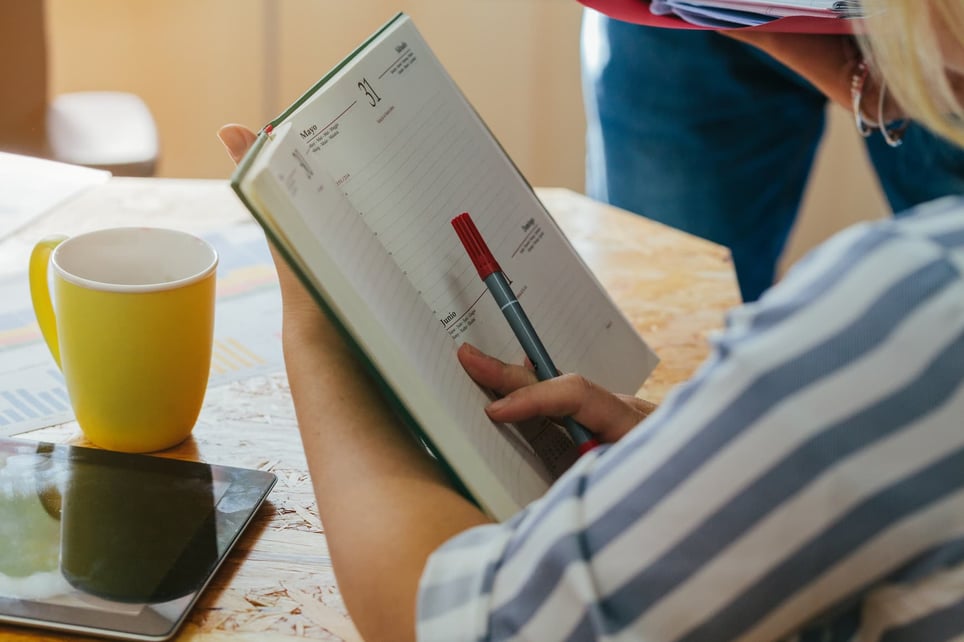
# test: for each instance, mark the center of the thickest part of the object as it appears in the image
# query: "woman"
(808, 481)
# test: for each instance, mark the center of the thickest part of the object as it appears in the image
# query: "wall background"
(199, 64)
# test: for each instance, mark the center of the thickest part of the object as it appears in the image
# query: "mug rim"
(105, 286)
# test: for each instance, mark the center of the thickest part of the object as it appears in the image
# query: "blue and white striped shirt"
(806, 484)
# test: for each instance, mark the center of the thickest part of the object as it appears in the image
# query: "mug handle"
(40, 292)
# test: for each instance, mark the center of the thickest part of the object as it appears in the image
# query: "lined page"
(418, 157)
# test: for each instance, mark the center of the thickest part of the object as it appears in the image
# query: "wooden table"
(278, 583)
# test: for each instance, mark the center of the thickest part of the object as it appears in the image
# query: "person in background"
(806, 484)
(716, 134)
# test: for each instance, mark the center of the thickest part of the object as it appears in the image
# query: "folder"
(638, 12)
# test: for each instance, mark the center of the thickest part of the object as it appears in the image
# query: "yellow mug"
(130, 323)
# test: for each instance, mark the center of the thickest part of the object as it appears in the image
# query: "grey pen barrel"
(521, 326)
(531, 344)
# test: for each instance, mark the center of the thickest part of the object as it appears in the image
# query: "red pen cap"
(475, 245)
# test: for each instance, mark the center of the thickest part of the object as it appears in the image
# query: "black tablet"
(112, 544)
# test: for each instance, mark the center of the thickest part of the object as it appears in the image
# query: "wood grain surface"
(278, 583)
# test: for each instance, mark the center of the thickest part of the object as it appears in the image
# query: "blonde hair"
(907, 42)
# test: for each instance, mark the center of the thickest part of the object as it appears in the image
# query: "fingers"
(643, 407)
(236, 139)
(493, 374)
(608, 415)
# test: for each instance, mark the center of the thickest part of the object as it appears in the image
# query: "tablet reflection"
(29, 526)
(80, 533)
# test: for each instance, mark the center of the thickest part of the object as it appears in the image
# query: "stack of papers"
(727, 14)
(30, 187)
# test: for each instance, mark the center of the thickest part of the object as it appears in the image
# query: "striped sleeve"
(810, 476)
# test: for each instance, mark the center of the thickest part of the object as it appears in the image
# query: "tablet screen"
(114, 544)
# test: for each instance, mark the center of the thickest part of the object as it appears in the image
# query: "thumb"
(236, 139)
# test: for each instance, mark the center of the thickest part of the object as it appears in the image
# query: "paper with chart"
(247, 335)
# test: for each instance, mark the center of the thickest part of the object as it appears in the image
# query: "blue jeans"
(714, 137)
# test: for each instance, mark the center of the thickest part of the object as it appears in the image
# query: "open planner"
(356, 184)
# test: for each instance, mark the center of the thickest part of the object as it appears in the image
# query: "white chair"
(104, 129)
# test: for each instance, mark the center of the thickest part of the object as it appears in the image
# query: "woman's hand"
(608, 415)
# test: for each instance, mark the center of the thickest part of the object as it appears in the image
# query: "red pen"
(494, 279)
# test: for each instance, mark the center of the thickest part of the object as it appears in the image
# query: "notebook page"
(411, 154)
